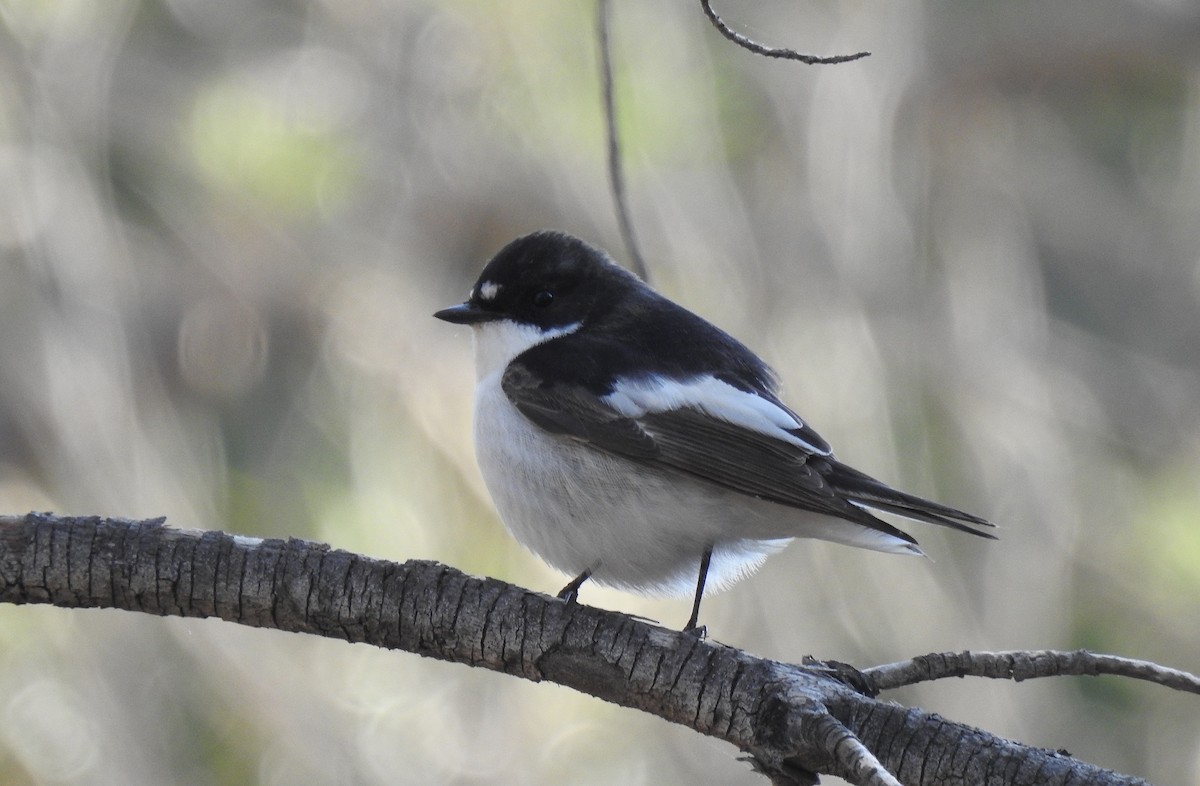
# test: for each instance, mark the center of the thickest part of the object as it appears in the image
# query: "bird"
(628, 441)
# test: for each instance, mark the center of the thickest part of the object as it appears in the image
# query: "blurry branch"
(792, 721)
(616, 178)
(769, 51)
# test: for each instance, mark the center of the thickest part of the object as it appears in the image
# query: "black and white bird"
(626, 440)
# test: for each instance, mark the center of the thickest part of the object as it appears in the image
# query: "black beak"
(466, 314)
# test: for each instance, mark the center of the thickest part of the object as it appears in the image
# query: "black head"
(548, 279)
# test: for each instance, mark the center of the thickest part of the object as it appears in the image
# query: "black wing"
(749, 460)
(692, 441)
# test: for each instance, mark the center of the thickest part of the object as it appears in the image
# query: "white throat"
(498, 343)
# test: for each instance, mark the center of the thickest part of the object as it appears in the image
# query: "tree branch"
(769, 51)
(1018, 666)
(791, 720)
(616, 177)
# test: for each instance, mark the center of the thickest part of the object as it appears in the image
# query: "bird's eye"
(543, 298)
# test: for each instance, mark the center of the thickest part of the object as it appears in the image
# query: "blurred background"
(974, 258)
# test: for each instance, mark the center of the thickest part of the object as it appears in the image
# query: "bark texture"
(792, 720)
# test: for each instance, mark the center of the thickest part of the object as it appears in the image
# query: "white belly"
(579, 508)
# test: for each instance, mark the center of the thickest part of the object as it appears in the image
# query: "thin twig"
(770, 51)
(1019, 665)
(615, 177)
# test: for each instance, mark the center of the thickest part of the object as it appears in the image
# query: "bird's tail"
(867, 492)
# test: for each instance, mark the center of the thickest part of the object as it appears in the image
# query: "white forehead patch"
(488, 290)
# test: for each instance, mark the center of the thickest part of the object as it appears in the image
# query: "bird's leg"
(691, 627)
(570, 593)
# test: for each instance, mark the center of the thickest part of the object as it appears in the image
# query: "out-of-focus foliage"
(974, 258)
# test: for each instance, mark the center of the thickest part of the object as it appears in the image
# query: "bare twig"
(615, 177)
(770, 51)
(1020, 666)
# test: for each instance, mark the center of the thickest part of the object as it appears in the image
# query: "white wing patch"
(634, 398)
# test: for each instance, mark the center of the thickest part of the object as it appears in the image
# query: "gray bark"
(793, 721)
